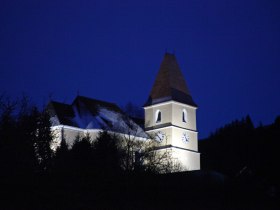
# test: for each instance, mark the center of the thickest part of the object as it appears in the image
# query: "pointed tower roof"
(170, 84)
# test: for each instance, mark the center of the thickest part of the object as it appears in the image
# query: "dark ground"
(188, 190)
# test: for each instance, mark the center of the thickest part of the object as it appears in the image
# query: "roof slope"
(93, 104)
(170, 84)
(87, 113)
(61, 112)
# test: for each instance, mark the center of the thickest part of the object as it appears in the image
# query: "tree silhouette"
(82, 159)
(227, 150)
(16, 144)
(42, 137)
(61, 160)
(108, 154)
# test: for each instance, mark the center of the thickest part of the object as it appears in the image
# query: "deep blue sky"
(228, 50)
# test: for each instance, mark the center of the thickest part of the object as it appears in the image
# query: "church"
(170, 116)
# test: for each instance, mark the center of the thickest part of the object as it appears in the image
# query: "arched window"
(184, 116)
(158, 116)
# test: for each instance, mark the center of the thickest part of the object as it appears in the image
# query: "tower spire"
(170, 84)
(173, 123)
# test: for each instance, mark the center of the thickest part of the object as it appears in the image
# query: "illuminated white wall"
(70, 134)
(191, 144)
(150, 113)
(167, 131)
(177, 113)
(189, 160)
(173, 128)
(173, 136)
(171, 112)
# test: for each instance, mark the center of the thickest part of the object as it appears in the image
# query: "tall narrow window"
(184, 116)
(158, 116)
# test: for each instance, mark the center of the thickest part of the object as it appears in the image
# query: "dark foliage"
(107, 154)
(90, 174)
(25, 139)
(249, 157)
(227, 150)
(239, 146)
(61, 160)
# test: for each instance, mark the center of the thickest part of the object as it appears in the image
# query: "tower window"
(184, 116)
(158, 116)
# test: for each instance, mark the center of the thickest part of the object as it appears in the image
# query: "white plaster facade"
(70, 133)
(174, 130)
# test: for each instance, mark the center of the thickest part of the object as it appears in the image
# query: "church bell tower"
(170, 115)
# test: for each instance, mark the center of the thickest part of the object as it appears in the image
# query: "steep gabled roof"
(93, 105)
(88, 113)
(62, 111)
(170, 84)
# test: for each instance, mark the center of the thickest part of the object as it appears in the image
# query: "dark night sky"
(228, 50)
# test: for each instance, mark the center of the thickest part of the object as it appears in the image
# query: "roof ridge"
(96, 100)
(52, 101)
